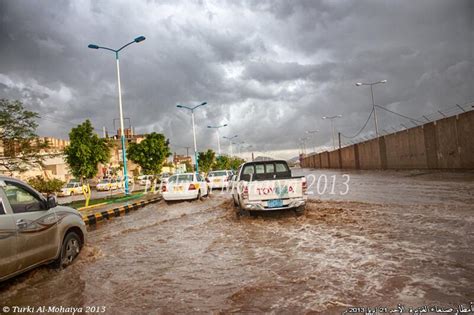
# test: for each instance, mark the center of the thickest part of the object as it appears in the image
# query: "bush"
(46, 186)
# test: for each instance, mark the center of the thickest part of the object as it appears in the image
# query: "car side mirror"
(52, 202)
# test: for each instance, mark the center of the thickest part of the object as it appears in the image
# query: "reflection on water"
(198, 257)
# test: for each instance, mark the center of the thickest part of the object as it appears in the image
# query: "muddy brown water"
(198, 257)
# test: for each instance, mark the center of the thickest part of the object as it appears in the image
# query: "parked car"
(145, 180)
(164, 177)
(184, 187)
(268, 185)
(108, 184)
(219, 179)
(122, 180)
(34, 230)
(71, 188)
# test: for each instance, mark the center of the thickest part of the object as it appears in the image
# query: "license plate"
(217, 180)
(275, 203)
(178, 188)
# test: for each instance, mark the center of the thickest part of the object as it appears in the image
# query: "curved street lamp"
(116, 51)
(218, 136)
(194, 130)
(313, 132)
(230, 142)
(332, 127)
(373, 103)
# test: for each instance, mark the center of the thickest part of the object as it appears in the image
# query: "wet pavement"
(394, 238)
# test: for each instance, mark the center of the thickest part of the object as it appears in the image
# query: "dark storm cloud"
(271, 69)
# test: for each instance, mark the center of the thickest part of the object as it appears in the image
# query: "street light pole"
(373, 103)
(230, 143)
(122, 131)
(194, 131)
(332, 128)
(218, 136)
(312, 132)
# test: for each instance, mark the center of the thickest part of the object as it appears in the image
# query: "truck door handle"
(21, 224)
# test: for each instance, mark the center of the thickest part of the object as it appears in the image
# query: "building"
(115, 165)
(55, 165)
(182, 159)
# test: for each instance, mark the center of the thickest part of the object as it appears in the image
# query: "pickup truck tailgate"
(275, 189)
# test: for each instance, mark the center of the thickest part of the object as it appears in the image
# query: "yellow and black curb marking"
(94, 218)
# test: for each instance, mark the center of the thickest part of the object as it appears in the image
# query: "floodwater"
(395, 238)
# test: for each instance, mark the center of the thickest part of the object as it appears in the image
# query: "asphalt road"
(395, 238)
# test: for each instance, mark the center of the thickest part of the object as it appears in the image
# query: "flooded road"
(394, 238)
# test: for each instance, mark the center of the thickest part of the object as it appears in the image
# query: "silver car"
(34, 230)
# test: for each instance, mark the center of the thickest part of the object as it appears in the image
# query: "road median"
(111, 211)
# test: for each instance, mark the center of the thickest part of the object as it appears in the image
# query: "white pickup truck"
(267, 185)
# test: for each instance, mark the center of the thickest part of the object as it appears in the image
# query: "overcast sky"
(270, 69)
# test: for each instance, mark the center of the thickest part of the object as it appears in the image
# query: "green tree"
(206, 160)
(222, 163)
(21, 146)
(46, 186)
(189, 166)
(235, 162)
(84, 153)
(150, 153)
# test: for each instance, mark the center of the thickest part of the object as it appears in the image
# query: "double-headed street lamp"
(122, 131)
(239, 146)
(312, 132)
(194, 130)
(218, 136)
(303, 144)
(230, 142)
(373, 103)
(332, 127)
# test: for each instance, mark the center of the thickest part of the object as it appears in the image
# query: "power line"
(390, 111)
(363, 127)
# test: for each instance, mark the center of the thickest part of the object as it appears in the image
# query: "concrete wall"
(324, 159)
(334, 159)
(447, 143)
(348, 157)
(444, 144)
(369, 155)
(407, 149)
(316, 161)
(465, 128)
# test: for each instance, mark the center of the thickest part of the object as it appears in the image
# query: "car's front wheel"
(299, 211)
(69, 250)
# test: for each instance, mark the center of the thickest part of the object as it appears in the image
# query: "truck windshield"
(212, 174)
(266, 170)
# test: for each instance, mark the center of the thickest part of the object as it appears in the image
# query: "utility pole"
(194, 130)
(218, 137)
(331, 118)
(373, 102)
(122, 131)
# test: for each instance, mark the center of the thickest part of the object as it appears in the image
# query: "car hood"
(67, 209)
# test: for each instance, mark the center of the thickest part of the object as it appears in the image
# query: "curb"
(93, 219)
(90, 207)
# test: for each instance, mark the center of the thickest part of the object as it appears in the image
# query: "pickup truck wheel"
(235, 202)
(299, 210)
(69, 250)
(241, 212)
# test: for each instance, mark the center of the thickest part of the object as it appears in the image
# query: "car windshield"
(220, 173)
(180, 178)
(104, 181)
(71, 185)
